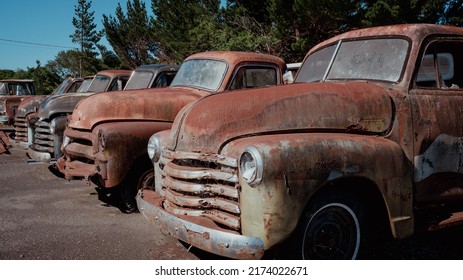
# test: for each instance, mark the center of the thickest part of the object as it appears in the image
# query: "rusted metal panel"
(360, 107)
(160, 104)
(111, 147)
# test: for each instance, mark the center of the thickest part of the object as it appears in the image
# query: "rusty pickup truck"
(27, 110)
(105, 141)
(50, 120)
(12, 92)
(365, 146)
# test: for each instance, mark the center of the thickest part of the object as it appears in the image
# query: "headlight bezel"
(154, 148)
(251, 166)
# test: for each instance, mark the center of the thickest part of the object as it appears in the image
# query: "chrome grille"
(20, 129)
(201, 185)
(43, 137)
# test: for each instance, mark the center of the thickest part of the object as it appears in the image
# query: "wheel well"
(140, 164)
(368, 194)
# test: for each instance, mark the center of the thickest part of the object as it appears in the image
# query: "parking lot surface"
(49, 218)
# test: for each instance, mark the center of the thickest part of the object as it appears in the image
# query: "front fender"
(119, 145)
(297, 166)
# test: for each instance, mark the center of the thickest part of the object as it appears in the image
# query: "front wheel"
(129, 190)
(331, 228)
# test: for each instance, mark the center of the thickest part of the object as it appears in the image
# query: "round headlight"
(154, 148)
(251, 166)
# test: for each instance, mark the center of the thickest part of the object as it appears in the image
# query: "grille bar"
(203, 185)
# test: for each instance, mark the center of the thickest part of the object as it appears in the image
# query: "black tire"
(331, 228)
(129, 189)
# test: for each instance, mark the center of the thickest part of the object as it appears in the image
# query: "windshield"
(62, 87)
(85, 85)
(3, 89)
(99, 83)
(139, 79)
(205, 74)
(15, 88)
(367, 59)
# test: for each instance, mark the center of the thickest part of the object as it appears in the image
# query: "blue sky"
(47, 22)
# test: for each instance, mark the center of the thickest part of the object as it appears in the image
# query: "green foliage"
(45, 78)
(241, 31)
(385, 12)
(68, 63)
(85, 34)
(301, 24)
(87, 37)
(453, 13)
(178, 23)
(7, 74)
(131, 35)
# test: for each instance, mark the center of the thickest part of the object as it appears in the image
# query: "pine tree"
(86, 36)
(131, 35)
(184, 27)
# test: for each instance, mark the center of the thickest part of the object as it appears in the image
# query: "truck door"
(437, 105)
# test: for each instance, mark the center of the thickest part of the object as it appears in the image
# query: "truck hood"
(30, 105)
(60, 104)
(213, 121)
(156, 104)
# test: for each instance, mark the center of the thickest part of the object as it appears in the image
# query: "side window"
(163, 79)
(123, 80)
(254, 76)
(118, 83)
(441, 66)
(75, 86)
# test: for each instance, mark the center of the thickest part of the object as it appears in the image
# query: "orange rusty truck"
(366, 144)
(106, 137)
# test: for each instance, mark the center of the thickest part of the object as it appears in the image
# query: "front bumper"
(18, 144)
(38, 155)
(4, 120)
(198, 231)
